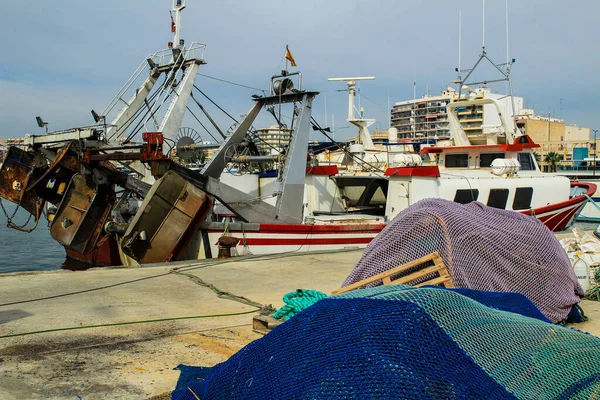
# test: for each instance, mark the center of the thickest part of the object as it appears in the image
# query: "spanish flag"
(289, 56)
(173, 29)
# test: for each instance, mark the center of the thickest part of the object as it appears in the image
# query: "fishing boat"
(591, 211)
(273, 203)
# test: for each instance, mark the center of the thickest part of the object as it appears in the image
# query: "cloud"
(61, 106)
(68, 57)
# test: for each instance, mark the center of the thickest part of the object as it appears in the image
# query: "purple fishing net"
(483, 248)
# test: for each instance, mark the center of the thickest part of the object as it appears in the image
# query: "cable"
(463, 177)
(184, 268)
(235, 120)
(72, 328)
(82, 291)
(220, 293)
(355, 158)
(120, 130)
(372, 101)
(201, 124)
(233, 83)
(172, 146)
(141, 121)
(216, 105)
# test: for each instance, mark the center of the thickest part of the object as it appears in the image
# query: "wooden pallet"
(264, 323)
(387, 277)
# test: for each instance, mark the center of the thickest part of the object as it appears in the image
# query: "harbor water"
(21, 251)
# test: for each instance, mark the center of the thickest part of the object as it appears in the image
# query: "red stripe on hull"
(320, 229)
(591, 189)
(304, 241)
(431, 171)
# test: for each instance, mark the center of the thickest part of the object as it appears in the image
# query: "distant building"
(15, 141)
(272, 139)
(571, 142)
(428, 118)
(424, 117)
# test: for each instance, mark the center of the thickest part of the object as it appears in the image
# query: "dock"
(116, 359)
(136, 361)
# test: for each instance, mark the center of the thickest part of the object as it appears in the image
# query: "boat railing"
(193, 51)
(577, 168)
(158, 110)
(162, 57)
(119, 97)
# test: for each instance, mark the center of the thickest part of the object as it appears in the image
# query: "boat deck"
(137, 361)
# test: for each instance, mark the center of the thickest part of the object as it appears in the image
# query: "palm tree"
(552, 158)
(538, 157)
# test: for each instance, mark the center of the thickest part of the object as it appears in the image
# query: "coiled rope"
(297, 301)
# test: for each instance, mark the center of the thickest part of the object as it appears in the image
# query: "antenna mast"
(362, 123)
(483, 28)
(459, 39)
(507, 59)
(352, 91)
(178, 6)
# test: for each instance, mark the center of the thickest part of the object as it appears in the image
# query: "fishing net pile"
(483, 248)
(397, 341)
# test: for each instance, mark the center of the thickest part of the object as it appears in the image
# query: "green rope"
(126, 323)
(298, 301)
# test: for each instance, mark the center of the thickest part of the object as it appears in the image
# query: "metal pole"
(595, 132)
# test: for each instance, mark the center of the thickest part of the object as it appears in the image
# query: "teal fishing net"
(396, 341)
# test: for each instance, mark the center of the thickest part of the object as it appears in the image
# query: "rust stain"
(17, 170)
(214, 344)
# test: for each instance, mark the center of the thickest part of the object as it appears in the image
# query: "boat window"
(352, 194)
(366, 196)
(378, 197)
(498, 198)
(485, 159)
(457, 160)
(526, 162)
(464, 196)
(522, 199)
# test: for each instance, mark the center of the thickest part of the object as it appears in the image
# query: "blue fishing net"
(395, 341)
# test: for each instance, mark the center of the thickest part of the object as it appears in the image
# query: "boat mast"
(363, 124)
(504, 69)
(178, 6)
(184, 61)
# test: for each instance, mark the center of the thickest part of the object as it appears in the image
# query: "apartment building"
(272, 139)
(424, 117)
(427, 117)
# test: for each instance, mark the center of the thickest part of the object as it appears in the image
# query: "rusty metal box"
(169, 216)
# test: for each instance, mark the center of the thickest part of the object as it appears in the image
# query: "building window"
(522, 199)
(457, 160)
(464, 196)
(498, 198)
(526, 161)
(485, 159)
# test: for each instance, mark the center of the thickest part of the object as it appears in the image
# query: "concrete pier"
(137, 361)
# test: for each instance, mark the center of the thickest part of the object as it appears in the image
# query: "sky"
(62, 58)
